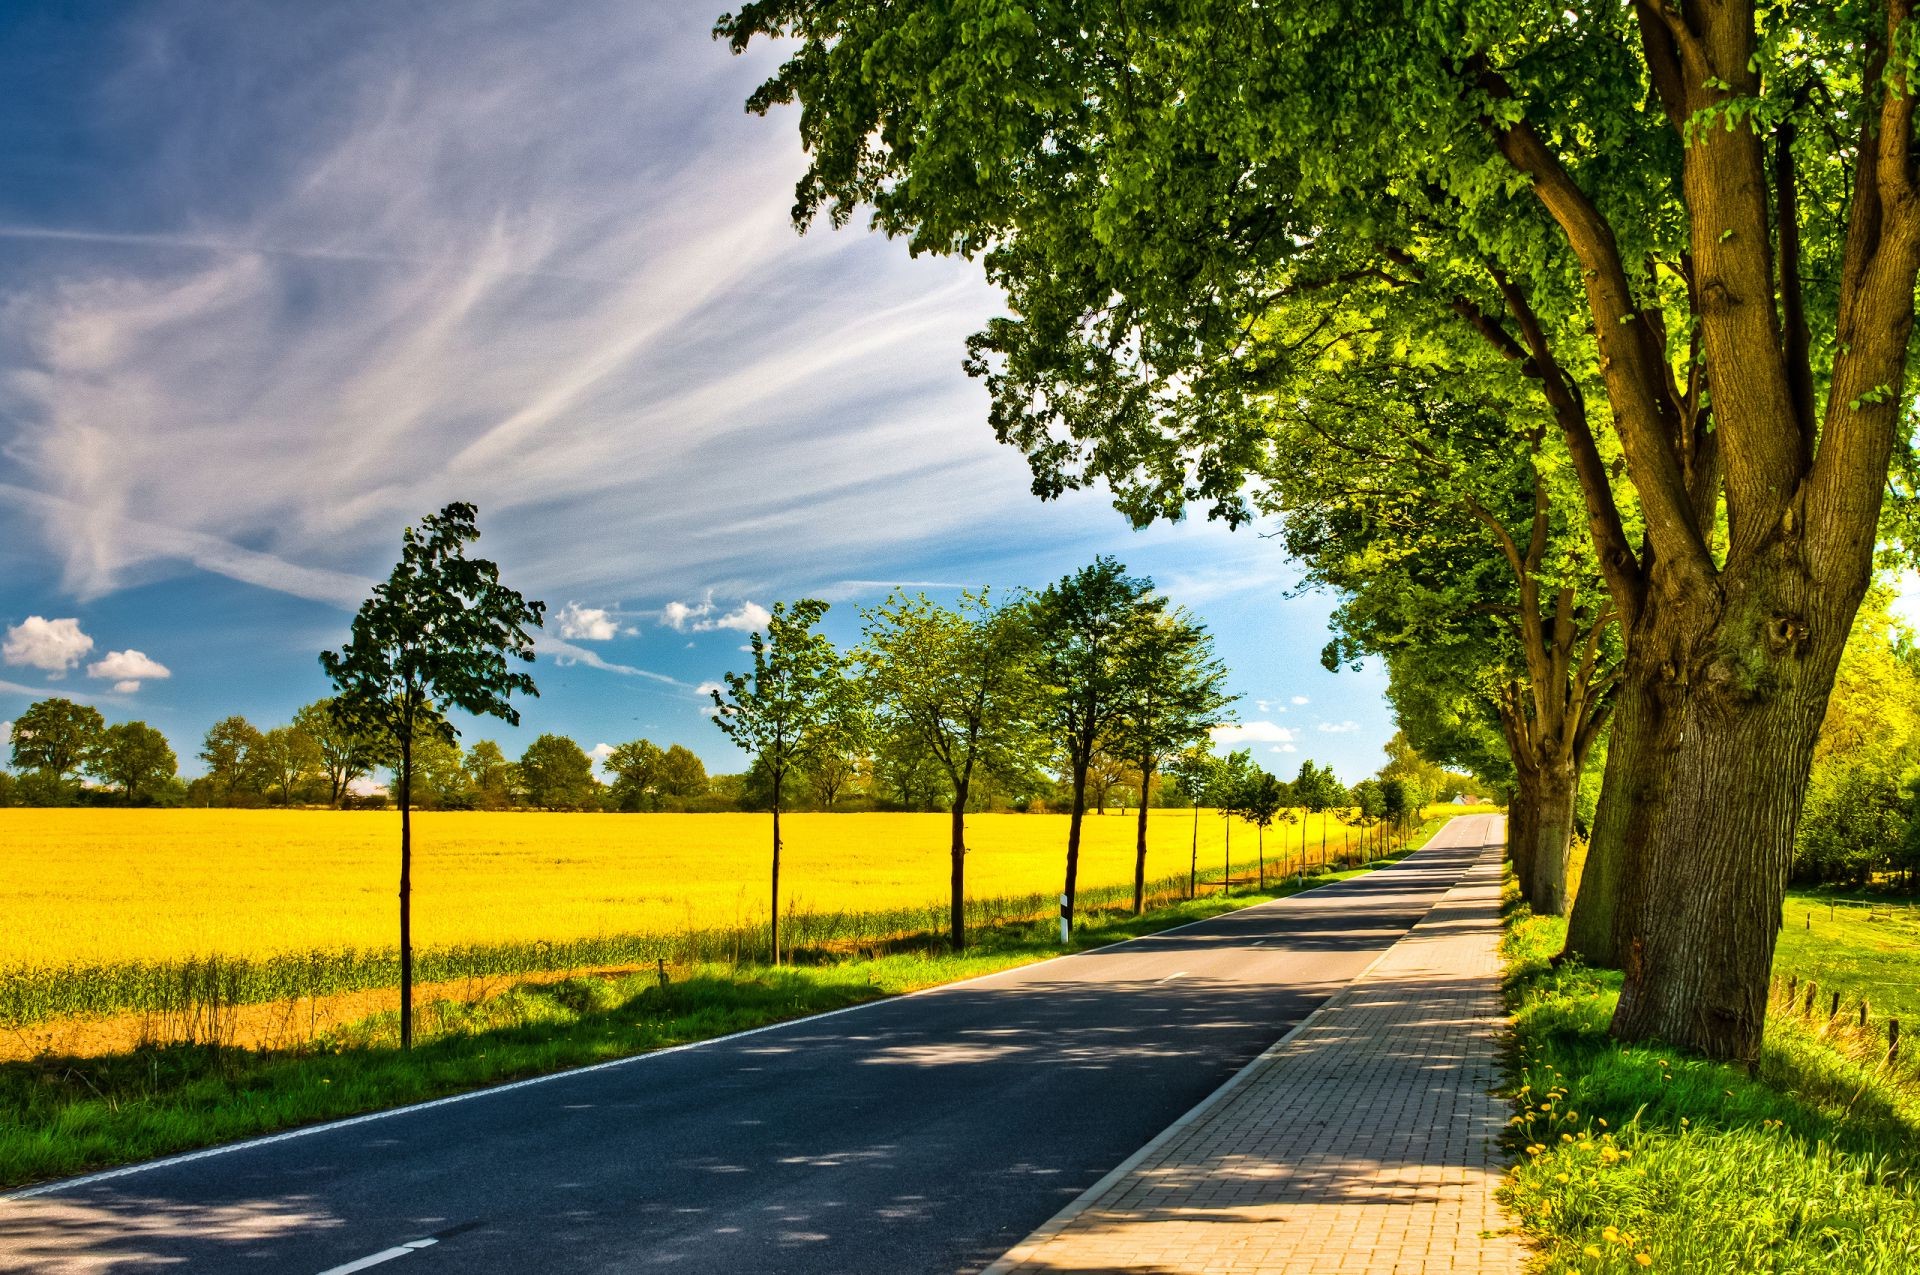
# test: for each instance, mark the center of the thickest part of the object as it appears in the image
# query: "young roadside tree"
(1192, 771)
(954, 685)
(1173, 691)
(133, 757)
(835, 750)
(1314, 789)
(54, 738)
(558, 775)
(344, 755)
(1227, 789)
(439, 632)
(637, 780)
(1083, 625)
(768, 711)
(1262, 801)
(1636, 205)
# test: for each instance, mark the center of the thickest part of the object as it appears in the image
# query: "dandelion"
(1645, 1259)
(1593, 1250)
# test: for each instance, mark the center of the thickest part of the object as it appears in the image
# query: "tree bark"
(1073, 842)
(1630, 794)
(959, 852)
(1552, 841)
(1193, 859)
(1522, 822)
(773, 918)
(1733, 687)
(406, 893)
(1140, 846)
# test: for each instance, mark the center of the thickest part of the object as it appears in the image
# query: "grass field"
(104, 911)
(1859, 945)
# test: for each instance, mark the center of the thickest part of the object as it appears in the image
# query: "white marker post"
(1064, 922)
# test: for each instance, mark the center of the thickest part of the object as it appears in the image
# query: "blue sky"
(276, 279)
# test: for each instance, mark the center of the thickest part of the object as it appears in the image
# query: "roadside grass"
(1639, 1157)
(65, 1115)
(1856, 943)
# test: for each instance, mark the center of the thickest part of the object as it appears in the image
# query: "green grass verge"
(1633, 1158)
(1861, 945)
(60, 1116)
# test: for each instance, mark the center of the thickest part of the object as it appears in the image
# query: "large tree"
(769, 711)
(235, 765)
(135, 758)
(953, 684)
(55, 737)
(344, 754)
(637, 781)
(440, 631)
(1083, 627)
(558, 775)
(286, 757)
(1172, 691)
(1710, 226)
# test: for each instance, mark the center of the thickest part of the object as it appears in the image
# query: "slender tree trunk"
(1323, 835)
(773, 919)
(1073, 841)
(1260, 853)
(1140, 846)
(959, 852)
(1226, 858)
(406, 893)
(1193, 860)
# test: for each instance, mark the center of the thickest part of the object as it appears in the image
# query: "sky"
(277, 279)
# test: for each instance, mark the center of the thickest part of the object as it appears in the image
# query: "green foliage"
(232, 753)
(1084, 626)
(769, 711)
(636, 767)
(439, 631)
(344, 754)
(493, 779)
(134, 757)
(683, 776)
(557, 774)
(954, 692)
(55, 737)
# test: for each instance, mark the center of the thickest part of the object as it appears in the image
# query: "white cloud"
(51, 645)
(707, 688)
(128, 669)
(1260, 732)
(566, 653)
(600, 752)
(6, 735)
(1283, 748)
(1300, 699)
(586, 624)
(700, 617)
(1339, 728)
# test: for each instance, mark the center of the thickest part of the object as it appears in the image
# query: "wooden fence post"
(1893, 1040)
(1813, 989)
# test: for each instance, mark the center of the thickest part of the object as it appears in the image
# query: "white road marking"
(349, 1122)
(1169, 978)
(384, 1255)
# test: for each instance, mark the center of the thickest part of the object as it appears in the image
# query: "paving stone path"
(1364, 1142)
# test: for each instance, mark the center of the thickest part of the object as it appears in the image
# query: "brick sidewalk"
(1364, 1142)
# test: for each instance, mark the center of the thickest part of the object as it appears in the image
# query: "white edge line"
(1059, 1222)
(207, 1153)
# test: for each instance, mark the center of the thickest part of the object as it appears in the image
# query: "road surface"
(924, 1133)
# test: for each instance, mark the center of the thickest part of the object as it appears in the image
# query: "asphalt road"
(926, 1133)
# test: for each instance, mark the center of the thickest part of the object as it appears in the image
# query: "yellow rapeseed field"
(104, 886)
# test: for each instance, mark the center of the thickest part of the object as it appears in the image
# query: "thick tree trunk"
(406, 894)
(1630, 793)
(1073, 843)
(959, 852)
(1522, 824)
(1734, 687)
(1552, 840)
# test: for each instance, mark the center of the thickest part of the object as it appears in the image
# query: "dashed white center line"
(1169, 978)
(384, 1255)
